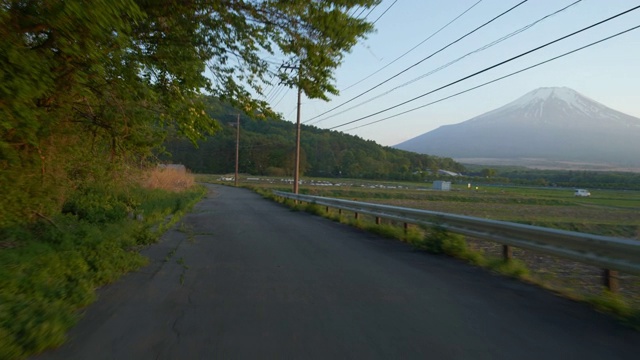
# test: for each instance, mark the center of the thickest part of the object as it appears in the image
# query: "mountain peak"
(564, 94)
(550, 123)
(554, 103)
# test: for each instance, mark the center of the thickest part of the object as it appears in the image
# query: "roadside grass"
(437, 240)
(52, 268)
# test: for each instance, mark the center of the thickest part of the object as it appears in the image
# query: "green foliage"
(611, 303)
(512, 267)
(314, 209)
(440, 241)
(95, 206)
(54, 266)
(87, 92)
(385, 230)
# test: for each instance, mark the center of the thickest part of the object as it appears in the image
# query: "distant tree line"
(267, 148)
(561, 178)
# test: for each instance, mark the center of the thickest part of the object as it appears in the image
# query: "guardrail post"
(610, 279)
(507, 252)
(356, 216)
(339, 211)
(378, 220)
(326, 209)
(406, 228)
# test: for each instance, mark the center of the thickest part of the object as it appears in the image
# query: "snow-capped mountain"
(554, 124)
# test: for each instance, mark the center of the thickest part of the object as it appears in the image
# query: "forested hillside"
(267, 148)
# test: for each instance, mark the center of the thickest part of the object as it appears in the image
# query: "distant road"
(246, 278)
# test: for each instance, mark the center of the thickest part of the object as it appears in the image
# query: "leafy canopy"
(87, 86)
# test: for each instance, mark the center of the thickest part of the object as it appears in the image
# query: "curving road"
(245, 278)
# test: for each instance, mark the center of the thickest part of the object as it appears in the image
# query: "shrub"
(314, 209)
(439, 241)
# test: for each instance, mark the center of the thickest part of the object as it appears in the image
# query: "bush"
(439, 241)
(96, 206)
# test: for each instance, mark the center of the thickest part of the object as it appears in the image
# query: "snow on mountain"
(552, 123)
(561, 102)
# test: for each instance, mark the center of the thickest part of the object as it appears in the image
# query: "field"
(605, 212)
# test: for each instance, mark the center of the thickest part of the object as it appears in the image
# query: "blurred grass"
(51, 268)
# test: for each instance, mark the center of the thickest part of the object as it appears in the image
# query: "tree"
(488, 173)
(86, 88)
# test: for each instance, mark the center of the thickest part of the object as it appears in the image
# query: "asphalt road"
(245, 278)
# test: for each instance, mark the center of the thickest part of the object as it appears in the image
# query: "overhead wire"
(283, 96)
(361, 12)
(381, 15)
(371, 10)
(413, 48)
(500, 78)
(277, 93)
(490, 67)
(419, 62)
(482, 48)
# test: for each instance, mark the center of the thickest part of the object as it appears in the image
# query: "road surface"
(246, 278)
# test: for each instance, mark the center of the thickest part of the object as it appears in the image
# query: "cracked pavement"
(246, 278)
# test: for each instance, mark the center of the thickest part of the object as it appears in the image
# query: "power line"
(361, 12)
(283, 96)
(500, 78)
(490, 67)
(371, 10)
(381, 15)
(482, 48)
(278, 91)
(419, 62)
(270, 92)
(413, 48)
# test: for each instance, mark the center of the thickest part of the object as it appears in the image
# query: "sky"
(608, 72)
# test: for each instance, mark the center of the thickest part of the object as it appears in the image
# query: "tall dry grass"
(171, 179)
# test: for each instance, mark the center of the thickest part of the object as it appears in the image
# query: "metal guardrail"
(602, 251)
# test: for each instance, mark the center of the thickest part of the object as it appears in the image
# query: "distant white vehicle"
(581, 192)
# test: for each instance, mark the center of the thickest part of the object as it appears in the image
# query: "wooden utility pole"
(296, 177)
(237, 149)
(296, 172)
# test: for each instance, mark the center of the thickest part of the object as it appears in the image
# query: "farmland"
(606, 212)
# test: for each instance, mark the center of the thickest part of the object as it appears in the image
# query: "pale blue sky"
(608, 72)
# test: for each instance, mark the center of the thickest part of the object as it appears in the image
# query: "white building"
(442, 185)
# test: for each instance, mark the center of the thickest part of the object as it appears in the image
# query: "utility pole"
(237, 149)
(296, 177)
(296, 173)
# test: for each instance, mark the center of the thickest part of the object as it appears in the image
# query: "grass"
(51, 268)
(170, 179)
